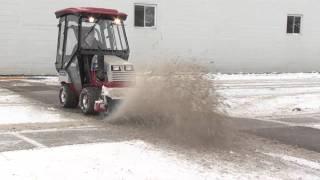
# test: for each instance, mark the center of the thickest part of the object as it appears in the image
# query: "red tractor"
(92, 59)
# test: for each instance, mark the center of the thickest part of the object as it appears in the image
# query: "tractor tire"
(67, 97)
(88, 97)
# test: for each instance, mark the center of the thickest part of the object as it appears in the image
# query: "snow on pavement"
(266, 96)
(259, 96)
(15, 109)
(300, 161)
(256, 95)
(269, 76)
(124, 160)
(48, 80)
(262, 96)
(245, 96)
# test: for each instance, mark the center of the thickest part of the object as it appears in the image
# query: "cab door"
(60, 46)
(70, 61)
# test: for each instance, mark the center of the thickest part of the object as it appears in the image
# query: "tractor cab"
(92, 58)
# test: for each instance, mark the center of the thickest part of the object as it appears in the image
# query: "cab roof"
(91, 11)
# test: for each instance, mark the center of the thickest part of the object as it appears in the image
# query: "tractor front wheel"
(88, 97)
(67, 97)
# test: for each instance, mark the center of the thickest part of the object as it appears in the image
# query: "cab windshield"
(103, 34)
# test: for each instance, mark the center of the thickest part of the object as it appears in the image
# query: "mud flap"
(99, 106)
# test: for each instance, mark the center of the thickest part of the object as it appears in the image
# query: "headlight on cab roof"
(128, 68)
(115, 68)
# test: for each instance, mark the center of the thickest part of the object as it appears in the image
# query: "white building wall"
(227, 35)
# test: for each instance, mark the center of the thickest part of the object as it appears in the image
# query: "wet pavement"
(9, 142)
(55, 137)
(305, 137)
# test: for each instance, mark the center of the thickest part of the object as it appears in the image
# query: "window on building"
(294, 24)
(144, 15)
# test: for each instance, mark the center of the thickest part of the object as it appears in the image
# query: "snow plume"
(176, 100)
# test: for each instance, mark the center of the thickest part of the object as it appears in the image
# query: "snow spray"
(177, 100)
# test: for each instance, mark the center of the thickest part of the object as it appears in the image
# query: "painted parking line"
(12, 77)
(31, 141)
(80, 128)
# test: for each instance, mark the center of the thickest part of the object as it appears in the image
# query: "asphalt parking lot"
(93, 129)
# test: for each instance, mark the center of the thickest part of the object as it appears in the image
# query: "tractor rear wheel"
(88, 97)
(67, 97)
